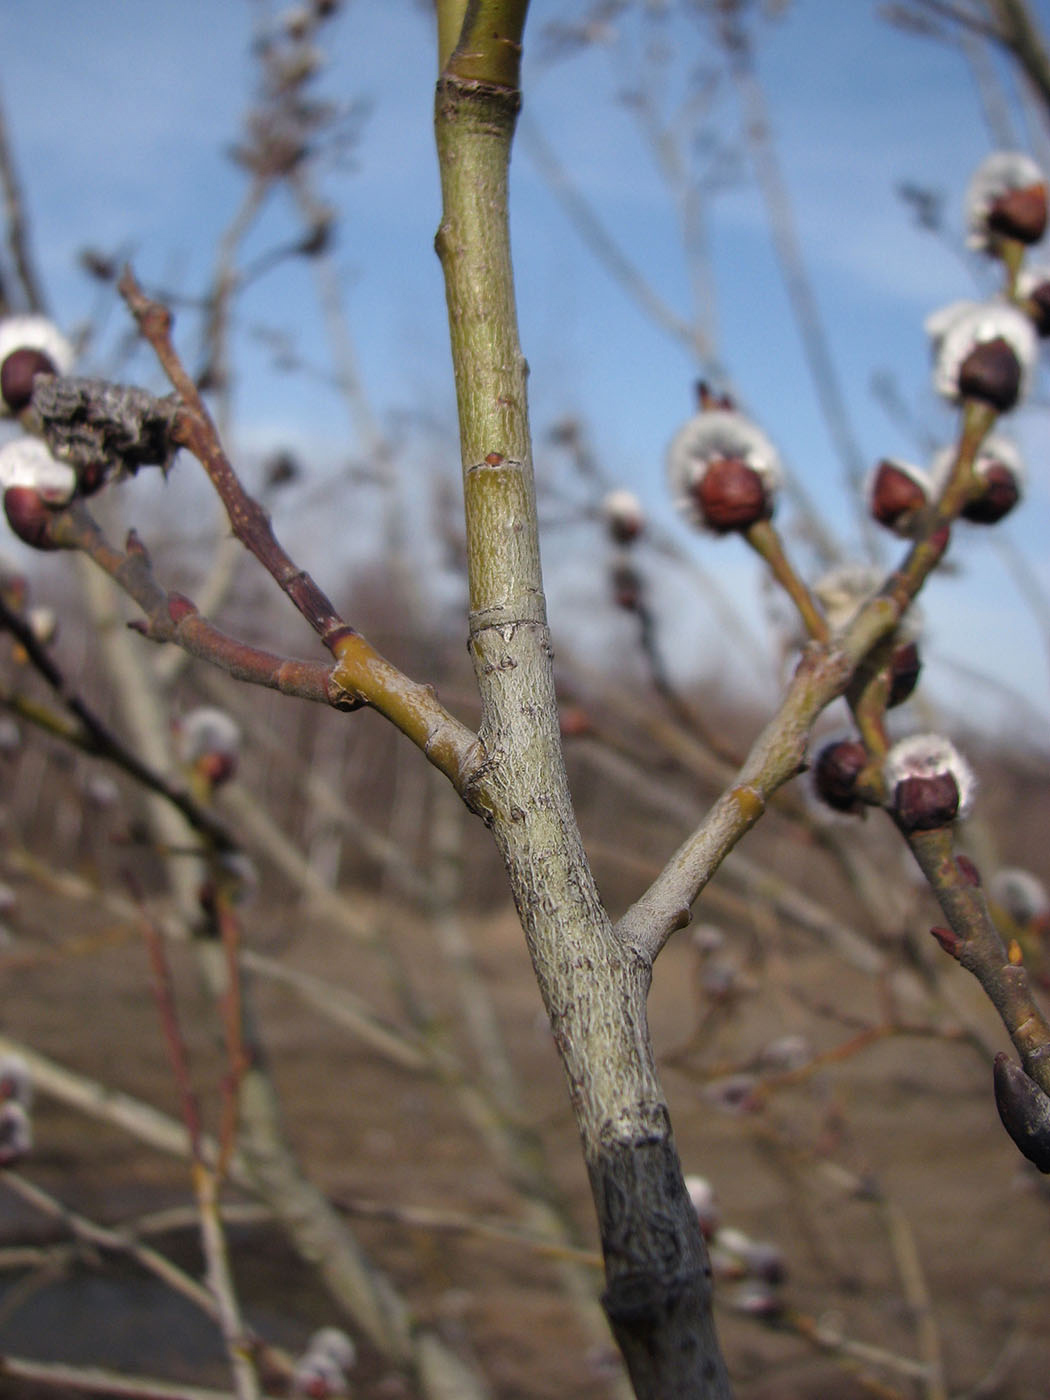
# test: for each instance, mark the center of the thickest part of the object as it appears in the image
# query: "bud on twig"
(984, 351)
(623, 514)
(323, 1368)
(842, 592)
(999, 474)
(1024, 1110)
(33, 482)
(208, 740)
(724, 472)
(896, 493)
(835, 774)
(905, 668)
(928, 782)
(1006, 198)
(29, 517)
(1033, 287)
(29, 346)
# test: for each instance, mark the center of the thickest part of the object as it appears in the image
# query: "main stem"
(594, 985)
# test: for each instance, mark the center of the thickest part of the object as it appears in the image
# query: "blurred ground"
(910, 1116)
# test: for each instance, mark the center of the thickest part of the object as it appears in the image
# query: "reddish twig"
(193, 429)
(361, 674)
(164, 995)
(96, 737)
(233, 1025)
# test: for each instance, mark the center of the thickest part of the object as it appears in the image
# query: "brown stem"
(764, 539)
(974, 941)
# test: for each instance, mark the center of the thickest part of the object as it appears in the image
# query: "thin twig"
(17, 231)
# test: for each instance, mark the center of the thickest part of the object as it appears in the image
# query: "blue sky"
(121, 116)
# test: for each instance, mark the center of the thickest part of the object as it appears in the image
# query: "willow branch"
(658, 1297)
(1017, 31)
(17, 232)
(94, 737)
(171, 617)
(361, 674)
(974, 941)
(779, 753)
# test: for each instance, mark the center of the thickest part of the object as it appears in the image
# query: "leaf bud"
(984, 351)
(991, 372)
(1006, 198)
(905, 668)
(835, 774)
(208, 740)
(724, 472)
(928, 782)
(29, 517)
(896, 493)
(1024, 1110)
(17, 374)
(1033, 286)
(623, 515)
(1000, 472)
(29, 345)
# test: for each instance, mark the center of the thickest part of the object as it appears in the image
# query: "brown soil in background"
(911, 1116)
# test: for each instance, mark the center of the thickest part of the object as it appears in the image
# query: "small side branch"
(361, 674)
(974, 941)
(93, 736)
(780, 750)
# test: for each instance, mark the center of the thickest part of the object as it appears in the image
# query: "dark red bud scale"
(217, 768)
(731, 496)
(180, 607)
(991, 372)
(1020, 214)
(923, 804)
(1038, 307)
(836, 771)
(1024, 1110)
(905, 666)
(998, 497)
(17, 374)
(948, 939)
(968, 870)
(29, 517)
(895, 495)
(91, 477)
